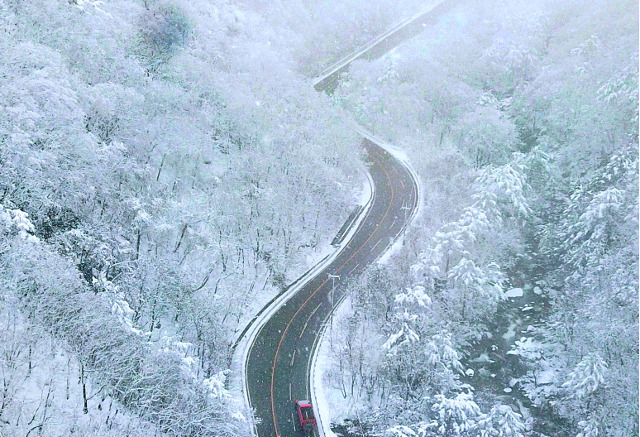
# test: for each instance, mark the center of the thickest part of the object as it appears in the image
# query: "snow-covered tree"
(455, 416)
(588, 375)
(501, 421)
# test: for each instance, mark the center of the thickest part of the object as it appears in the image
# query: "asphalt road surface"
(280, 357)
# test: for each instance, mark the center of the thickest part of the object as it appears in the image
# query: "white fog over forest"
(168, 172)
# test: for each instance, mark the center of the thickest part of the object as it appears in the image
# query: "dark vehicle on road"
(306, 418)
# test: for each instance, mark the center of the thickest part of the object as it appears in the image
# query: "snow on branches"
(15, 221)
(588, 375)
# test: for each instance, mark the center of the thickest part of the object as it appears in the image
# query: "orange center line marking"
(286, 329)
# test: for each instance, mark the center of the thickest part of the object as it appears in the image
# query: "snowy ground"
(312, 258)
(42, 390)
(262, 299)
(331, 406)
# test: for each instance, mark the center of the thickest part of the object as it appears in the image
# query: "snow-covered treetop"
(413, 296)
(588, 375)
(15, 221)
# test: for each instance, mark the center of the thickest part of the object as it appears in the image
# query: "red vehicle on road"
(305, 416)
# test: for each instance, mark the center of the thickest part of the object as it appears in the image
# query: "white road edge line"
(376, 245)
(353, 268)
(309, 318)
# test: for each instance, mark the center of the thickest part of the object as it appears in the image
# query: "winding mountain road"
(280, 356)
(277, 369)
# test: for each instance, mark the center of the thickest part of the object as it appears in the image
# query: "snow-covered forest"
(149, 152)
(513, 307)
(166, 168)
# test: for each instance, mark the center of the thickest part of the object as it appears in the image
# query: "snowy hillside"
(150, 152)
(513, 308)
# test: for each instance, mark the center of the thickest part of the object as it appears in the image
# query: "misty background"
(166, 167)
